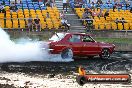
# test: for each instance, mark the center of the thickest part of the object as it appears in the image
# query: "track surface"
(118, 63)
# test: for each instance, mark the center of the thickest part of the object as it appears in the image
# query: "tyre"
(81, 80)
(105, 54)
(67, 54)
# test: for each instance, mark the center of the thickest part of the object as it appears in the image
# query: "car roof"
(78, 34)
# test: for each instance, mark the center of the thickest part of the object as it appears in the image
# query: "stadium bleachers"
(18, 20)
(109, 23)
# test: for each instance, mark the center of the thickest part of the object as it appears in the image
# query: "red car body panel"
(79, 48)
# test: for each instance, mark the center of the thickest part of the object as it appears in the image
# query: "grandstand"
(109, 23)
(18, 20)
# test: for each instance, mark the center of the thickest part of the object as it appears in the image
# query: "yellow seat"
(2, 23)
(8, 23)
(126, 26)
(120, 26)
(108, 26)
(56, 23)
(49, 25)
(43, 25)
(15, 23)
(101, 26)
(114, 26)
(96, 26)
(130, 26)
(8, 16)
(108, 19)
(22, 23)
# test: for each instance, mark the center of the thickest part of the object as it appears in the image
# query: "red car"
(78, 44)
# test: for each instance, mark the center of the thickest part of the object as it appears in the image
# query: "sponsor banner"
(103, 78)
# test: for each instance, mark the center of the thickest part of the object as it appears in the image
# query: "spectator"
(118, 5)
(98, 6)
(65, 23)
(65, 4)
(114, 7)
(2, 8)
(92, 5)
(100, 14)
(47, 15)
(13, 7)
(117, 21)
(87, 14)
(49, 3)
(37, 23)
(100, 2)
(94, 14)
(106, 14)
(62, 15)
(78, 3)
(87, 18)
(131, 10)
(127, 5)
(30, 23)
(123, 21)
(52, 3)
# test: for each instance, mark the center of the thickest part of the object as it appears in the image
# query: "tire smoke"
(25, 50)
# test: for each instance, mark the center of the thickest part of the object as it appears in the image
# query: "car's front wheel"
(105, 54)
(67, 54)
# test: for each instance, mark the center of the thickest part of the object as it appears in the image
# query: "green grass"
(115, 40)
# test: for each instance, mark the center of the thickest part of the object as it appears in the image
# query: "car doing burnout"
(69, 45)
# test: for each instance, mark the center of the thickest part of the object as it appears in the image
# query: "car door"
(76, 44)
(90, 47)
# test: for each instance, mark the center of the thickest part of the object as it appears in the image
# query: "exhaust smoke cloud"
(24, 51)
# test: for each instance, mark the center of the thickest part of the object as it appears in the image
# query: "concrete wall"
(108, 34)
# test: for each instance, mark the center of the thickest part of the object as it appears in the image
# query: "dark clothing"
(127, 5)
(106, 15)
(65, 5)
(114, 7)
(13, 8)
(120, 21)
(99, 1)
(131, 10)
(36, 21)
(37, 24)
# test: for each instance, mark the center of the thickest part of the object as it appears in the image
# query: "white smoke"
(24, 50)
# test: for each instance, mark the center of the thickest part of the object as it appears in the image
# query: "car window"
(75, 38)
(87, 39)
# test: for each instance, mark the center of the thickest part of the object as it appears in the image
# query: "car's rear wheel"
(105, 54)
(67, 54)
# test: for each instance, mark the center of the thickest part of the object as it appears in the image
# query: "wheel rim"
(105, 54)
(67, 54)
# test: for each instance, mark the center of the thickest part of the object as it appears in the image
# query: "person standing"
(37, 23)
(30, 23)
(65, 4)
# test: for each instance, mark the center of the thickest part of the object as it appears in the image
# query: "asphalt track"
(118, 63)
